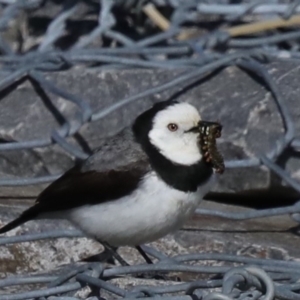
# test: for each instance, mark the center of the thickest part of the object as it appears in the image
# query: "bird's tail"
(26, 216)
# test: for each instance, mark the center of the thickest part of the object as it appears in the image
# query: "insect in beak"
(209, 132)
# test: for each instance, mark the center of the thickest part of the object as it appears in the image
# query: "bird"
(138, 186)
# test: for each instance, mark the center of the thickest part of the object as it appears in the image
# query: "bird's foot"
(113, 251)
(103, 257)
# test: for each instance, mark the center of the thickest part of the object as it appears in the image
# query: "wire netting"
(202, 36)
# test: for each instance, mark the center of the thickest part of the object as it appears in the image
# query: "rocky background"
(247, 111)
(252, 126)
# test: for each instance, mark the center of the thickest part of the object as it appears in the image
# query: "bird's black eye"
(172, 127)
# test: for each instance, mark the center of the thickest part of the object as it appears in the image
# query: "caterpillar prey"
(209, 132)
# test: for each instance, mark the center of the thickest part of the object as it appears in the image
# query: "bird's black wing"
(113, 171)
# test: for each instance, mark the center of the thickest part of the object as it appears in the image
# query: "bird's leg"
(144, 254)
(148, 261)
(152, 276)
(114, 253)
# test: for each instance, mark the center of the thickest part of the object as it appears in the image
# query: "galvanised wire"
(240, 277)
(258, 7)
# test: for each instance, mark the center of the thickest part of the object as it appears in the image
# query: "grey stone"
(42, 255)
(252, 124)
(270, 238)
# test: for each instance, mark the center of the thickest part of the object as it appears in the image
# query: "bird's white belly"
(149, 213)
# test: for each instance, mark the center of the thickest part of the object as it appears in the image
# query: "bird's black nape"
(180, 177)
(143, 123)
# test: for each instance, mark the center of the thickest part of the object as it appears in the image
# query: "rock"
(267, 238)
(252, 124)
(42, 255)
(270, 237)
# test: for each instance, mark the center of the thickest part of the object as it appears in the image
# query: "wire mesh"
(202, 51)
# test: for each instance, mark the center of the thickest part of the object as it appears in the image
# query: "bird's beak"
(202, 127)
(215, 127)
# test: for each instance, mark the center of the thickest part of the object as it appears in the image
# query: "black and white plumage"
(133, 192)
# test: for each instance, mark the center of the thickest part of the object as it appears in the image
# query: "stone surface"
(42, 255)
(251, 121)
(274, 237)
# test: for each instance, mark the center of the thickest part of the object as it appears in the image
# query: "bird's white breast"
(150, 212)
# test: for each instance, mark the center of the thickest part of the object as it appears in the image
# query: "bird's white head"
(173, 136)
